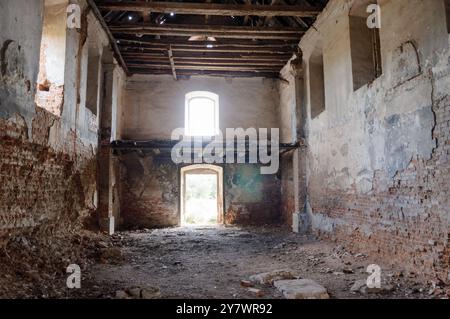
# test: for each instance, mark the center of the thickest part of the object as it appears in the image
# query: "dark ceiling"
(223, 38)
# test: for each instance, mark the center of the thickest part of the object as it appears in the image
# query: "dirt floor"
(211, 262)
(202, 262)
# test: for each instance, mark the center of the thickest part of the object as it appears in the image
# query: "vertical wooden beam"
(207, 16)
(247, 18)
(172, 63)
(268, 19)
(146, 14)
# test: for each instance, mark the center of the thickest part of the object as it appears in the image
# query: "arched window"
(202, 114)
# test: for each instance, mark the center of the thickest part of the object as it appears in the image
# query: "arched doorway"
(201, 195)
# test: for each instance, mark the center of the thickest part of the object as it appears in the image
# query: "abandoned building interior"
(91, 92)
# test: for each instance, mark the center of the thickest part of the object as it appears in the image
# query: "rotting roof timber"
(235, 37)
(211, 9)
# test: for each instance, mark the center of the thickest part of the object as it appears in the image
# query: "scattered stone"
(438, 292)
(103, 244)
(361, 287)
(279, 246)
(358, 286)
(120, 294)
(385, 288)
(134, 292)
(348, 271)
(268, 278)
(150, 293)
(246, 283)
(301, 289)
(338, 273)
(112, 254)
(257, 292)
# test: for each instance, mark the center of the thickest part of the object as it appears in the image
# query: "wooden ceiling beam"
(138, 28)
(205, 59)
(203, 44)
(188, 73)
(214, 50)
(212, 9)
(179, 63)
(206, 67)
(222, 35)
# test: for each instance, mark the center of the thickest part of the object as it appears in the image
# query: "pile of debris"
(36, 266)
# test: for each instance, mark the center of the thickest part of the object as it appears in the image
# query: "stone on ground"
(120, 294)
(301, 289)
(360, 286)
(150, 293)
(268, 278)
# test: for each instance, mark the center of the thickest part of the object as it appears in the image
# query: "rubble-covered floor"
(206, 262)
(211, 263)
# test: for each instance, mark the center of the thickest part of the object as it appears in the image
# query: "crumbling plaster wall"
(47, 162)
(150, 191)
(150, 184)
(378, 158)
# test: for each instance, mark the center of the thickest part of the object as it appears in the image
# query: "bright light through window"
(202, 114)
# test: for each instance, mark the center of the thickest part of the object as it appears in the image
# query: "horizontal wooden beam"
(207, 68)
(202, 44)
(212, 56)
(205, 59)
(178, 62)
(217, 34)
(179, 48)
(212, 9)
(137, 28)
(222, 74)
(218, 43)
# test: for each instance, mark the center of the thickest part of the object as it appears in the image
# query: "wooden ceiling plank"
(203, 28)
(206, 67)
(218, 34)
(201, 44)
(212, 9)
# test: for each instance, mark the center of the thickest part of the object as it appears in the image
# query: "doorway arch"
(202, 169)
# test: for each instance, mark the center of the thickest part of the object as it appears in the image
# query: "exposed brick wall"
(405, 221)
(149, 191)
(42, 190)
(377, 163)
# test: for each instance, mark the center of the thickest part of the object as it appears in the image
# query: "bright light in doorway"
(201, 199)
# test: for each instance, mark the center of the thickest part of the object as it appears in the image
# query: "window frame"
(206, 95)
